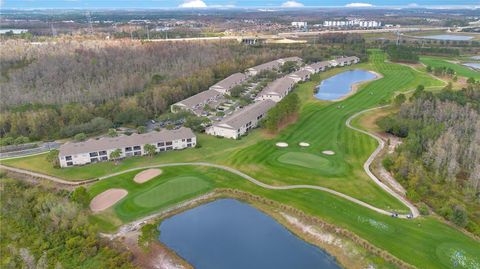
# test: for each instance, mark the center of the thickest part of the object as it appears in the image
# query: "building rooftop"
(246, 114)
(231, 81)
(108, 143)
(278, 87)
(199, 98)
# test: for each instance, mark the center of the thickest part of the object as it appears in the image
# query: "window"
(136, 148)
(169, 143)
(128, 149)
(104, 158)
(128, 154)
(68, 158)
(93, 154)
(94, 160)
(189, 140)
(183, 140)
(69, 163)
(137, 153)
(103, 152)
(189, 145)
(161, 144)
(169, 148)
(162, 149)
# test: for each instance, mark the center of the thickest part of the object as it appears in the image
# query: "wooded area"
(42, 228)
(282, 112)
(439, 160)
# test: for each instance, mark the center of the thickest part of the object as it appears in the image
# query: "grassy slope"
(459, 69)
(422, 242)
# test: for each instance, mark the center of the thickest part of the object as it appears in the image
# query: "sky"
(158, 4)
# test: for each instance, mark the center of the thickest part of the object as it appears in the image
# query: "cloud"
(292, 4)
(359, 5)
(193, 4)
(413, 5)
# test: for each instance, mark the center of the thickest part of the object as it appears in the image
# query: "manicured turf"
(458, 68)
(322, 124)
(304, 160)
(423, 242)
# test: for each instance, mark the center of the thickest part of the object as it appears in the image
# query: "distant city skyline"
(159, 4)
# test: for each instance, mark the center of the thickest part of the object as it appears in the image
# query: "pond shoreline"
(325, 236)
(354, 87)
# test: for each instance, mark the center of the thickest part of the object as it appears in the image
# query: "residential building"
(197, 102)
(96, 150)
(241, 121)
(224, 86)
(273, 65)
(277, 90)
(299, 24)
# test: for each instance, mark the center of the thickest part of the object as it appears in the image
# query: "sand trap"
(281, 145)
(328, 152)
(304, 144)
(146, 175)
(106, 199)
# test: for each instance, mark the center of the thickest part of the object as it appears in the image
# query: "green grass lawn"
(459, 69)
(423, 242)
(322, 124)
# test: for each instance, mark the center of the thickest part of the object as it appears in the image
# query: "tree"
(52, 157)
(112, 132)
(471, 80)
(115, 155)
(80, 196)
(236, 91)
(289, 67)
(429, 69)
(80, 137)
(141, 129)
(459, 216)
(150, 150)
(399, 99)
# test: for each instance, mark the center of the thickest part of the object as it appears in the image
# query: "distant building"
(13, 31)
(299, 24)
(92, 151)
(352, 23)
(241, 121)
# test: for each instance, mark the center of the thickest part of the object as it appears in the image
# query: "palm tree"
(150, 150)
(115, 155)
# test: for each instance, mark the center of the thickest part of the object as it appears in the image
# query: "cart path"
(366, 166)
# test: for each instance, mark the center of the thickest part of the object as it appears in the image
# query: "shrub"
(80, 137)
(459, 216)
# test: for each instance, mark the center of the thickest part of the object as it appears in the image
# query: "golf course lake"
(449, 37)
(473, 65)
(231, 234)
(341, 84)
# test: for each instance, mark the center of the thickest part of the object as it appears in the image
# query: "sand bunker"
(106, 199)
(146, 175)
(281, 145)
(304, 144)
(328, 152)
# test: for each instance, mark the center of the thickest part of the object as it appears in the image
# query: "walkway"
(366, 166)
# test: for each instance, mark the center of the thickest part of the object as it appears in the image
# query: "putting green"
(454, 255)
(171, 190)
(307, 160)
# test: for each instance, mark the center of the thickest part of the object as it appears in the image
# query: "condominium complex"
(96, 150)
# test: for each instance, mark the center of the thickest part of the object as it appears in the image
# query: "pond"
(230, 234)
(473, 65)
(449, 37)
(341, 84)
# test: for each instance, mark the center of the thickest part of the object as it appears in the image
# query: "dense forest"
(58, 89)
(439, 159)
(43, 229)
